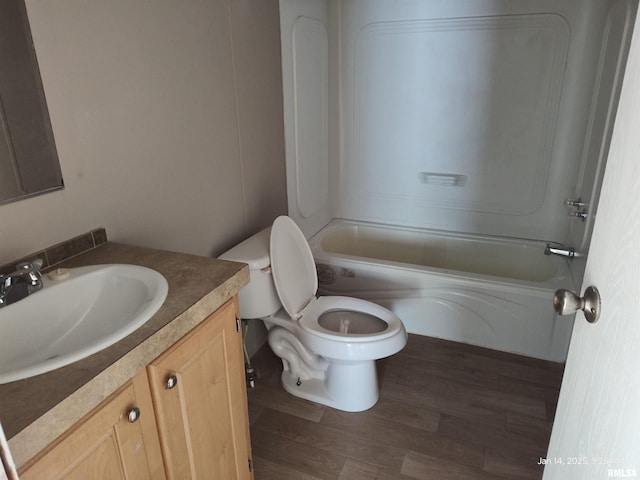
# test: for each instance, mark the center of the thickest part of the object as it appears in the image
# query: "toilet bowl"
(328, 345)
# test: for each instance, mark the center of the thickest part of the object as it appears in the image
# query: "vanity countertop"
(36, 410)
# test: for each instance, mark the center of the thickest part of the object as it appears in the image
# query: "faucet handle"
(26, 280)
(34, 265)
(30, 271)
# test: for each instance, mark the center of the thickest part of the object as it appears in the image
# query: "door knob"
(171, 382)
(565, 302)
(133, 415)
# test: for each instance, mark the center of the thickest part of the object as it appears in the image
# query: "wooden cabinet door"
(106, 445)
(202, 420)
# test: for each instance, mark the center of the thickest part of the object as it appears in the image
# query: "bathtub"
(488, 291)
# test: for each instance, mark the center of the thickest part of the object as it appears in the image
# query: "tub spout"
(562, 251)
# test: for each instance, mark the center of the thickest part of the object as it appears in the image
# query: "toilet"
(328, 345)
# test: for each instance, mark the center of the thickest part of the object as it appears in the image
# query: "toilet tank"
(259, 298)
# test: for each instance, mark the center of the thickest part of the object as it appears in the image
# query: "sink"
(74, 317)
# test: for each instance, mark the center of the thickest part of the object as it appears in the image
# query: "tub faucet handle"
(577, 208)
(575, 203)
(581, 214)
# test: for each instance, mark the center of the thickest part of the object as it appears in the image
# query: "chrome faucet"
(562, 251)
(26, 280)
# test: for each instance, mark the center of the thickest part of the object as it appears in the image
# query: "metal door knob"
(565, 302)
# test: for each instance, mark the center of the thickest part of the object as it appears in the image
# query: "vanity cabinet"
(185, 416)
(198, 388)
(118, 440)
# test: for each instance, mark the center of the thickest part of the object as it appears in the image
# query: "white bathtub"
(487, 291)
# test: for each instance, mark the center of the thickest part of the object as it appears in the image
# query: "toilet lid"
(292, 265)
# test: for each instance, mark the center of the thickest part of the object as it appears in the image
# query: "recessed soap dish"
(443, 179)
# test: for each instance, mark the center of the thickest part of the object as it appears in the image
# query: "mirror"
(28, 158)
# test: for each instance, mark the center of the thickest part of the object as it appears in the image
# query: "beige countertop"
(36, 410)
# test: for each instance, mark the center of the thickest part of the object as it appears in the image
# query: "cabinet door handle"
(171, 382)
(133, 415)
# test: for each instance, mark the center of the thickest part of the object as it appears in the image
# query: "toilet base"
(347, 386)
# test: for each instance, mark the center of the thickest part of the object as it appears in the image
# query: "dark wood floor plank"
(397, 412)
(529, 427)
(425, 467)
(416, 344)
(466, 350)
(517, 386)
(333, 440)
(446, 411)
(413, 366)
(406, 437)
(473, 432)
(459, 405)
(506, 464)
(488, 397)
(354, 470)
(296, 456)
(552, 406)
(276, 398)
(255, 410)
(516, 366)
(267, 470)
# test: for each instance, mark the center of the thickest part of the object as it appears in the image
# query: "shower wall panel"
(454, 114)
(470, 116)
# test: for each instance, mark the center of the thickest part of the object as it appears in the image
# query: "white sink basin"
(70, 319)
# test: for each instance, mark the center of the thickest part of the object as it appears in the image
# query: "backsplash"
(62, 251)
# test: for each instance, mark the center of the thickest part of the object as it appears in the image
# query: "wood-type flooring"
(446, 411)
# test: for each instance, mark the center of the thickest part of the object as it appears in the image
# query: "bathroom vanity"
(168, 399)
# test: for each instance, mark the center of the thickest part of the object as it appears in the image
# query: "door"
(198, 389)
(596, 433)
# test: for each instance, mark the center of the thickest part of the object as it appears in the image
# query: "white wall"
(168, 122)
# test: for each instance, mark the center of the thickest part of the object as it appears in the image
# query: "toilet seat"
(292, 266)
(308, 321)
